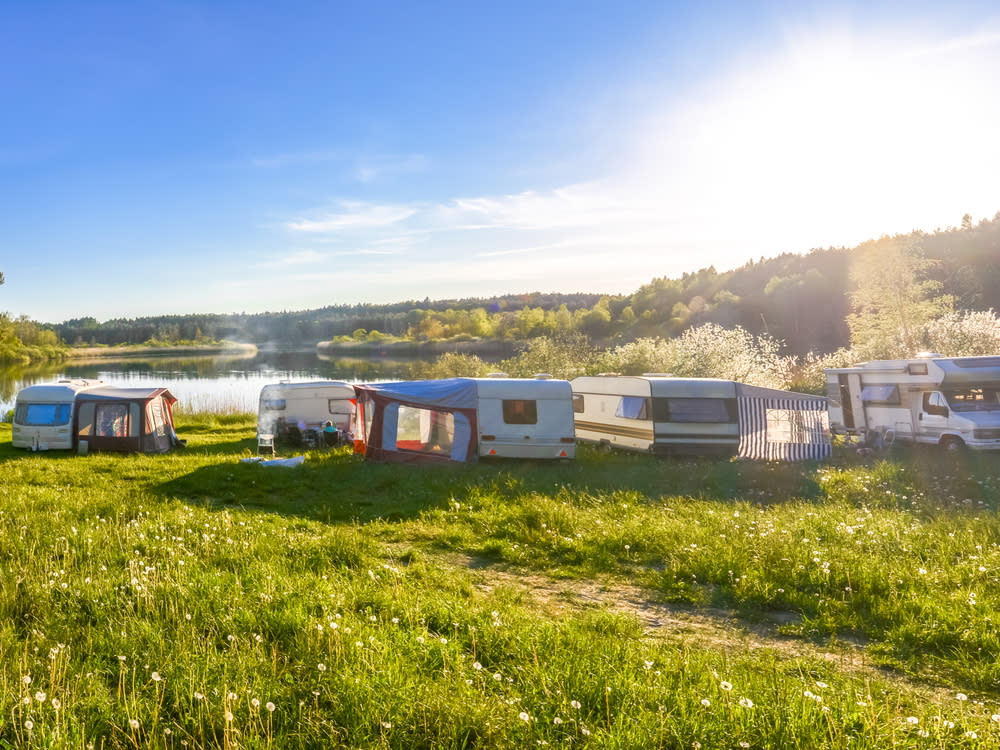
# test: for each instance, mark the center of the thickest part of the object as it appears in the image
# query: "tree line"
(825, 301)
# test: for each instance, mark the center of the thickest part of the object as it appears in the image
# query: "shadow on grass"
(337, 486)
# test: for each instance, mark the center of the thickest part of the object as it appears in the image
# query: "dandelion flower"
(523, 716)
(269, 706)
(557, 721)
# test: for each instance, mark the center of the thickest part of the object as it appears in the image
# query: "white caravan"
(658, 414)
(461, 419)
(297, 411)
(525, 418)
(947, 401)
(43, 414)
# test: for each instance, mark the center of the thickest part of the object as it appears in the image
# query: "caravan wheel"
(952, 445)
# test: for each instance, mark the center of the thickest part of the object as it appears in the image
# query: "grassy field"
(189, 600)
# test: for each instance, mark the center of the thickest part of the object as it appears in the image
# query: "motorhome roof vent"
(496, 375)
(542, 376)
(657, 375)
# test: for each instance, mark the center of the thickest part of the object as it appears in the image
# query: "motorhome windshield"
(986, 398)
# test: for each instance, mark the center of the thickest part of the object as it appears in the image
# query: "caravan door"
(932, 419)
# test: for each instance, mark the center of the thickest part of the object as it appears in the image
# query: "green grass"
(617, 601)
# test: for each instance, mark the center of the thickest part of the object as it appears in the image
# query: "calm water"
(222, 384)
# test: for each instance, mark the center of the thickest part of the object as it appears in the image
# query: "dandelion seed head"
(912, 720)
(269, 706)
(56, 704)
(476, 665)
(228, 716)
(962, 697)
(706, 702)
(575, 704)
(255, 703)
(523, 716)
(321, 667)
(156, 676)
(727, 686)
(29, 724)
(40, 696)
(134, 723)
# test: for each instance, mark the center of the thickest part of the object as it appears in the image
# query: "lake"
(206, 383)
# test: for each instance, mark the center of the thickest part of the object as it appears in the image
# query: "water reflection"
(225, 384)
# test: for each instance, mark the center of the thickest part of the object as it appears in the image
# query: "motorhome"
(666, 415)
(461, 419)
(953, 402)
(298, 412)
(43, 415)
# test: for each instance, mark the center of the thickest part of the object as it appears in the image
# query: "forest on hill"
(816, 303)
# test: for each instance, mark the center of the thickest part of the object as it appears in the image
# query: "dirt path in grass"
(707, 628)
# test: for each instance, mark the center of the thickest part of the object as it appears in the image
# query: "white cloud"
(354, 215)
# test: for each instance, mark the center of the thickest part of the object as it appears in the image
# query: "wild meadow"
(189, 600)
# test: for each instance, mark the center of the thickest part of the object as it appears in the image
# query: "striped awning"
(784, 429)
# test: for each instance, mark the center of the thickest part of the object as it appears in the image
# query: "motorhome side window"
(274, 403)
(934, 403)
(578, 403)
(974, 399)
(520, 411)
(695, 410)
(42, 414)
(633, 407)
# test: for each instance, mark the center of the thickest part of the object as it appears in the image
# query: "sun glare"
(837, 140)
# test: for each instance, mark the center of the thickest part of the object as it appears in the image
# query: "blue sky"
(166, 157)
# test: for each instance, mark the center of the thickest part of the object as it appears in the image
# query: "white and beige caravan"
(953, 402)
(657, 414)
(297, 412)
(699, 417)
(43, 414)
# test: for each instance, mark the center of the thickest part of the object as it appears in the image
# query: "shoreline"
(417, 348)
(141, 350)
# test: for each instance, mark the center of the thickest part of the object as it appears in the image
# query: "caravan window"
(111, 420)
(42, 414)
(788, 426)
(695, 410)
(424, 430)
(633, 407)
(274, 403)
(578, 403)
(880, 394)
(520, 411)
